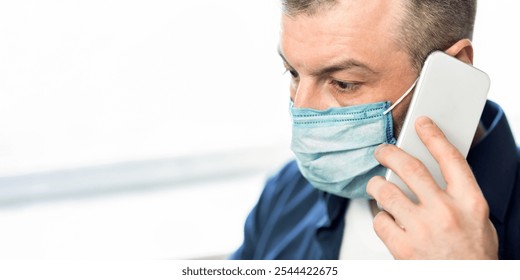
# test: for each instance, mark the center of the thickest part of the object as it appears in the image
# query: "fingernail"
(380, 148)
(424, 121)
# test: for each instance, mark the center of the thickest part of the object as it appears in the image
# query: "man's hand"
(445, 224)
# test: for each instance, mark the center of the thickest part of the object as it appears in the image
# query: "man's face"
(347, 55)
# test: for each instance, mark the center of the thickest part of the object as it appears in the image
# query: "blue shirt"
(293, 220)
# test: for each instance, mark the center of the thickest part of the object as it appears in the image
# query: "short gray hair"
(428, 25)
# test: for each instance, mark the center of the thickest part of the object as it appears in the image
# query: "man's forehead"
(354, 27)
(363, 8)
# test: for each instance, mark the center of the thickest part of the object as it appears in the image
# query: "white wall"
(496, 52)
(89, 82)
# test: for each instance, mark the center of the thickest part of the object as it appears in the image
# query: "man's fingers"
(453, 165)
(410, 170)
(389, 232)
(392, 199)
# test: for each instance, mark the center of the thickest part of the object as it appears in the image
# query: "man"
(355, 55)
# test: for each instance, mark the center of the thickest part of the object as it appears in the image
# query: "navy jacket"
(293, 220)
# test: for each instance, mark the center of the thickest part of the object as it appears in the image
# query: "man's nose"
(307, 95)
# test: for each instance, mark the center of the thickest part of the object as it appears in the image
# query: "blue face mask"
(334, 148)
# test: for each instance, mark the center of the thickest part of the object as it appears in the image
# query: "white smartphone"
(453, 94)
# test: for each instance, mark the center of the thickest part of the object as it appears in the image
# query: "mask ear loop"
(401, 98)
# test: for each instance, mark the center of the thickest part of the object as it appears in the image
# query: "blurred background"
(146, 129)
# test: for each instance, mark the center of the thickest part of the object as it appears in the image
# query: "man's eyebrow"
(341, 66)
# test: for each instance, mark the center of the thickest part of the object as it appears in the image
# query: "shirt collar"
(494, 160)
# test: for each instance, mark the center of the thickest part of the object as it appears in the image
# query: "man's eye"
(293, 73)
(343, 86)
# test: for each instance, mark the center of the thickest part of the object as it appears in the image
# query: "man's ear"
(462, 50)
